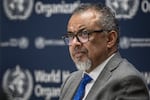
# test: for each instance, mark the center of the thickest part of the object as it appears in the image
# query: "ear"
(112, 39)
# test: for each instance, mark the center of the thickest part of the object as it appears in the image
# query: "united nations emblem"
(123, 8)
(18, 83)
(124, 43)
(18, 9)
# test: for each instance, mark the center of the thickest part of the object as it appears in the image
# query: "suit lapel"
(104, 76)
(73, 86)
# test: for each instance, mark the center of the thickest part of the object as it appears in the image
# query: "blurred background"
(34, 60)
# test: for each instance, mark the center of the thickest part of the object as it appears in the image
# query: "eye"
(83, 34)
(70, 36)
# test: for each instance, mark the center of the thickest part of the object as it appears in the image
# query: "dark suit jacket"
(119, 80)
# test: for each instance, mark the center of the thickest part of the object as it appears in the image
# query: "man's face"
(93, 52)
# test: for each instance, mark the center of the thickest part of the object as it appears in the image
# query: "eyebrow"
(80, 30)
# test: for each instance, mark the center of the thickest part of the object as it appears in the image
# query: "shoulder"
(126, 71)
(125, 80)
(125, 68)
(75, 74)
(72, 77)
(120, 67)
(127, 75)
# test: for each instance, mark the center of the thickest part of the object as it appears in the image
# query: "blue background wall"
(33, 58)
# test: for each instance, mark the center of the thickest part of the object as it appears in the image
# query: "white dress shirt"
(94, 75)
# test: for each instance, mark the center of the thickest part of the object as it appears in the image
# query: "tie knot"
(86, 79)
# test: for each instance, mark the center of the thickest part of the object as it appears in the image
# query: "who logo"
(18, 84)
(126, 9)
(18, 9)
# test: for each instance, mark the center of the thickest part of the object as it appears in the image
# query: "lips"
(79, 54)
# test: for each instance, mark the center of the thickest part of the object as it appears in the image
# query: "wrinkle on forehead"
(82, 20)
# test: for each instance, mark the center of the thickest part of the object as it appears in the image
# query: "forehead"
(86, 19)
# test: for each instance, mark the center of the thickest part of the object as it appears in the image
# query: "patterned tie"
(81, 89)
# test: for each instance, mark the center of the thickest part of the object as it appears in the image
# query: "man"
(93, 37)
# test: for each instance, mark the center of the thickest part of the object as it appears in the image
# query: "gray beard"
(84, 65)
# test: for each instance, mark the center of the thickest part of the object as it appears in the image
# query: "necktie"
(81, 89)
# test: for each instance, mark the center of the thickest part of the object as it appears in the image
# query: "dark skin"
(100, 45)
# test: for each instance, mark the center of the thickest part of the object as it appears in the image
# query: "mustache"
(79, 50)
